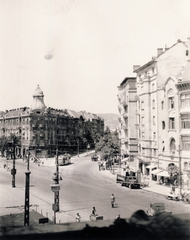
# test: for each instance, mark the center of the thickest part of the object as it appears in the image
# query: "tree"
(173, 172)
(108, 143)
(5, 142)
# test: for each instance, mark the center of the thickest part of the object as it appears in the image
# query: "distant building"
(44, 129)
(127, 104)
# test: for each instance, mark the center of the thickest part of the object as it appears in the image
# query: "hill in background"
(110, 120)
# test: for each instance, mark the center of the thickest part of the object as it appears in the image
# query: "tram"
(64, 159)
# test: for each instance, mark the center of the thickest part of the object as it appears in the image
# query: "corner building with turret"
(44, 129)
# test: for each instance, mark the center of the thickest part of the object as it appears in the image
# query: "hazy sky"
(79, 51)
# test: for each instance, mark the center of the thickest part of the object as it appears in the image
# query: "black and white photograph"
(95, 119)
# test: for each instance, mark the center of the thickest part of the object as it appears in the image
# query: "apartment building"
(174, 127)
(43, 129)
(156, 99)
(127, 103)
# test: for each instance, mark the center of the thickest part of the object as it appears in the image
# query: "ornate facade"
(43, 129)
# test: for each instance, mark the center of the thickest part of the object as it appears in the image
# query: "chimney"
(159, 51)
(135, 67)
(166, 48)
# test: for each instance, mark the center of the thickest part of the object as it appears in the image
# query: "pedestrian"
(78, 217)
(4, 165)
(99, 165)
(94, 213)
(112, 200)
(118, 217)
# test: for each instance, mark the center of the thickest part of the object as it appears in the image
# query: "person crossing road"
(112, 200)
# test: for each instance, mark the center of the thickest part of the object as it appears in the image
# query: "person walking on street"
(94, 213)
(78, 217)
(112, 200)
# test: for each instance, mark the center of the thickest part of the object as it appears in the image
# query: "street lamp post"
(55, 187)
(78, 147)
(13, 170)
(27, 194)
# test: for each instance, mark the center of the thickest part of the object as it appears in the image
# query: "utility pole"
(27, 195)
(78, 147)
(180, 183)
(13, 170)
(55, 187)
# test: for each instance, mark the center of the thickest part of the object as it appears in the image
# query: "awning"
(163, 174)
(125, 159)
(151, 166)
(156, 171)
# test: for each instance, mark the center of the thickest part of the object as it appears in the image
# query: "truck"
(131, 179)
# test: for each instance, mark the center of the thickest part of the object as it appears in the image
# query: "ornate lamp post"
(55, 187)
(27, 195)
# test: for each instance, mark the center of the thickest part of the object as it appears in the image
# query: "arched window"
(172, 145)
(185, 165)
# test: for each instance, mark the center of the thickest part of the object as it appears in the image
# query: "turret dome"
(38, 100)
(38, 92)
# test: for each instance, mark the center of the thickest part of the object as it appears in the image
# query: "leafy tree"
(3, 144)
(4, 141)
(108, 143)
(173, 172)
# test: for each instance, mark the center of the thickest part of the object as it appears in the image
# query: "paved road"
(83, 186)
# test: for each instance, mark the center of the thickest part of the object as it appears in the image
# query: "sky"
(79, 51)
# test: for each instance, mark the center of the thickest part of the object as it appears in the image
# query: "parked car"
(94, 157)
(155, 208)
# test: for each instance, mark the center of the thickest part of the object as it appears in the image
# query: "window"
(153, 120)
(171, 123)
(153, 70)
(154, 152)
(143, 151)
(185, 100)
(163, 125)
(171, 102)
(153, 87)
(153, 104)
(185, 143)
(162, 105)
(142, 105)
(185, 165)
(154, 135)
(142, 121)
(185, 121)
(143, 136)
(172, 145)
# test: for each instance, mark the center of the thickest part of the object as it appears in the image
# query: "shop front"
(163, 177)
